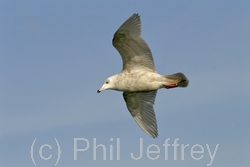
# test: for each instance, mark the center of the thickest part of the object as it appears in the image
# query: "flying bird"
(138, 79)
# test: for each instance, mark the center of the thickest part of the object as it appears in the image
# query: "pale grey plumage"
(138, 79)
(140, 105)
(133, 49)
(136, 55)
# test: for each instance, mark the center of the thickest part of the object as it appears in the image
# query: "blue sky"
(55, 55)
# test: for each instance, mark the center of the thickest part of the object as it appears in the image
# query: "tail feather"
(179, 78)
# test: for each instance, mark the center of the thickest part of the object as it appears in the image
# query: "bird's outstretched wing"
(140, 105)
(133, 49)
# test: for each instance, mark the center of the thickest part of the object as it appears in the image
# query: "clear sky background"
(54, 55)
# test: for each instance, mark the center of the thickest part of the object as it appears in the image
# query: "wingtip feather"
(132, 25)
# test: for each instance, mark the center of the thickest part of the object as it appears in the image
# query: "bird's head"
(108, 84)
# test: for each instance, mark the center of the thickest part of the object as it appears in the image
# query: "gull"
(138, 80)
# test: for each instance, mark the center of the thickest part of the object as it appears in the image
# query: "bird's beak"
(99, 90)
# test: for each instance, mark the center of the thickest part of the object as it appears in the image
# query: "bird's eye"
(107, 82)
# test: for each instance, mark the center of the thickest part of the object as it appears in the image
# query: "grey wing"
(133, 49)
(140, 105)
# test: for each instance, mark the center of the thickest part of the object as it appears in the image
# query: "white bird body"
(138, 79)
(147, 80)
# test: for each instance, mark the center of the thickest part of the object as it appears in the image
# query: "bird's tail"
(178, 78)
